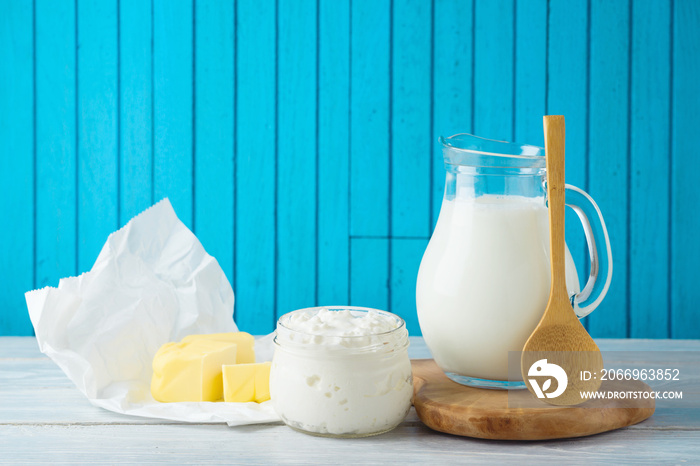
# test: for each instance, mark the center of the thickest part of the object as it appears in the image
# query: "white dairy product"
(341, 372)
(484, 282)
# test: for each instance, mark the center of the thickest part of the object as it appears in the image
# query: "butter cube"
(244, 341)
(262, 382)
(247, 382)
(191, 370)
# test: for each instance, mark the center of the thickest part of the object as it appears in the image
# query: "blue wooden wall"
(298, 138)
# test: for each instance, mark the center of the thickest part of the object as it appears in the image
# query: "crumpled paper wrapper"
(152, 283)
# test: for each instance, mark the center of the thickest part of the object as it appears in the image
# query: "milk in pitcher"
(487, 271)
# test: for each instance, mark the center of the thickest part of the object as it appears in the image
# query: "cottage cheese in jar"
(341, 372)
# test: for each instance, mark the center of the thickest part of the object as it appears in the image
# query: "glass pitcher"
(484, 280)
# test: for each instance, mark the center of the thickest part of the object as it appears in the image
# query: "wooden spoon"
(559, 339)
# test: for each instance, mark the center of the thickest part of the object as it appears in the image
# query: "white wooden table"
(43, 418)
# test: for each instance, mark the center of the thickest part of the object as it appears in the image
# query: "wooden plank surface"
(410, 153)
(608, 153)
(213, 130)
(256, 165)
(369, 280)
(370, 123)
(406, 254)
(685, 254)
(567, 76)
(280, 445)
(112, 105)
(296, 155)
(333, 244)
(42, 415)
(172, 106)
(649, 169)
(17, 173)
(135, 108)
(56, 143)
(411, 149)
(530, 70)
(98, 158)
(453, 78)
(493, 69)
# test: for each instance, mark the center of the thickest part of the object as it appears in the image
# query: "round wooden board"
(447, 406)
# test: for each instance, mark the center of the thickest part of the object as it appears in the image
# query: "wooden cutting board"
(447, 406)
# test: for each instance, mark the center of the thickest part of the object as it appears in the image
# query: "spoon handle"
(554, 136)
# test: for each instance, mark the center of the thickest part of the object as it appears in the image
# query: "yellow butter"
(247, 382)
(244, 341)
(191, 370)
(262, 382)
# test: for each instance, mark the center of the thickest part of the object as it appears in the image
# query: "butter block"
(244, 341)
(191, 370)
(262, 382)
(247, 382)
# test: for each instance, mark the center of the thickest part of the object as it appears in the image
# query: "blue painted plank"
(566, 95)
(370, 149)
(97, 128)
(254, 222)
(530, 70)
(369, 282)
(333, 152)
(607, 152)
(214, 128)
(135, 108)
(56, 153)
(685, 254)
(296, 175)
(411, 149)
(406, 255)
(172, 105)
(94, 158)
(452, 84)
(493, 69)
(17, 174)
(649, 171)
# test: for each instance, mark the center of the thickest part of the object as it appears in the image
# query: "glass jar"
(349, 380)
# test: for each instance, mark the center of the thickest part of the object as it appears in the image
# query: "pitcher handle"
(601, 264)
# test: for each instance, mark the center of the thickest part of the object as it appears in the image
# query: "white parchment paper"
(152, 283)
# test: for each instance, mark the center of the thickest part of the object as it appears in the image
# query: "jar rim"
(287, 316)
(385, 341)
